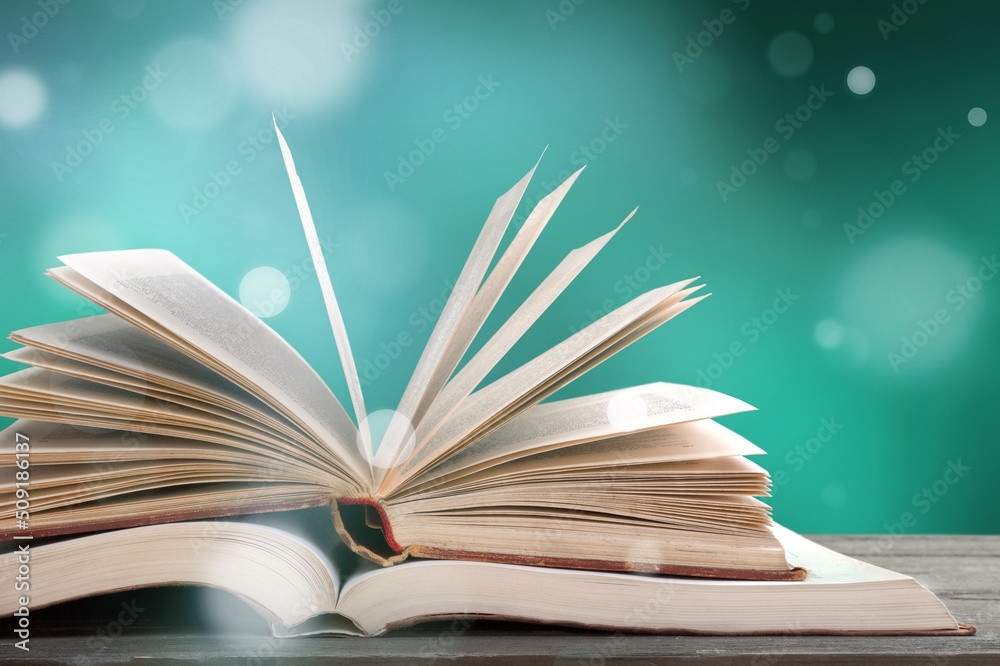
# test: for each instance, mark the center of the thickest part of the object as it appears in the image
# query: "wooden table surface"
(188, 626)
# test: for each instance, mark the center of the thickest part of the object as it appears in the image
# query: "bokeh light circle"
(22, 98)
(265, 291)
(824, 23)
(293, 53)
(896, 288)
(830, 334)
(977, 117)
(861, 80)
(790, 53)
(626, 409)
(378, 424)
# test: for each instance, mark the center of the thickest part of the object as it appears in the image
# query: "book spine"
(383, 517)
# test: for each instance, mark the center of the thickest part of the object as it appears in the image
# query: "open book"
(181, 404)
(296, 587)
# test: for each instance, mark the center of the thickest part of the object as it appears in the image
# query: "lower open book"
(297, 588)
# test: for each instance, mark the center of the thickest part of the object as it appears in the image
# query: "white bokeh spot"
(830, 334)
(977, 116)
(22, 98)
(861, 80)
(292, 53)
(378, 423)
(894, 296)
(824, 23)
(790, 53)
(265, 291)
(626, 409)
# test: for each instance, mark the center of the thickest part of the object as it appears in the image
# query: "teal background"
(228, 65)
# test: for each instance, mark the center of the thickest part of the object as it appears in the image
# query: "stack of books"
(628, 510)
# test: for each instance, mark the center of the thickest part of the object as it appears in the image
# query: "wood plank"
(172, 628)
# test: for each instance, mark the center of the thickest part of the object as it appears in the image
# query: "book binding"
(389, 551)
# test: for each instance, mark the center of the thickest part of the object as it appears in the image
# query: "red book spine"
(383, 518)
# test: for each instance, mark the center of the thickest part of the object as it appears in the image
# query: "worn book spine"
(386, 551)
(394, 552)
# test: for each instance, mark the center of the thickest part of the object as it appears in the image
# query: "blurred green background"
(847, 232)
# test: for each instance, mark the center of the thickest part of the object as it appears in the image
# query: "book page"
(478, 367)
(454, 310)
(530, 382)
(840, 594)
(58, 443)
(330, 301)
(488, 295)
(46, 395)
(733, 475)
(137, 376)
(109, 342)
(532, 442)
(281, 575)
(282, 442)
(97, 375)
(201, 320)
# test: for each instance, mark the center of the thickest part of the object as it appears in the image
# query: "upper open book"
(181, 404)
